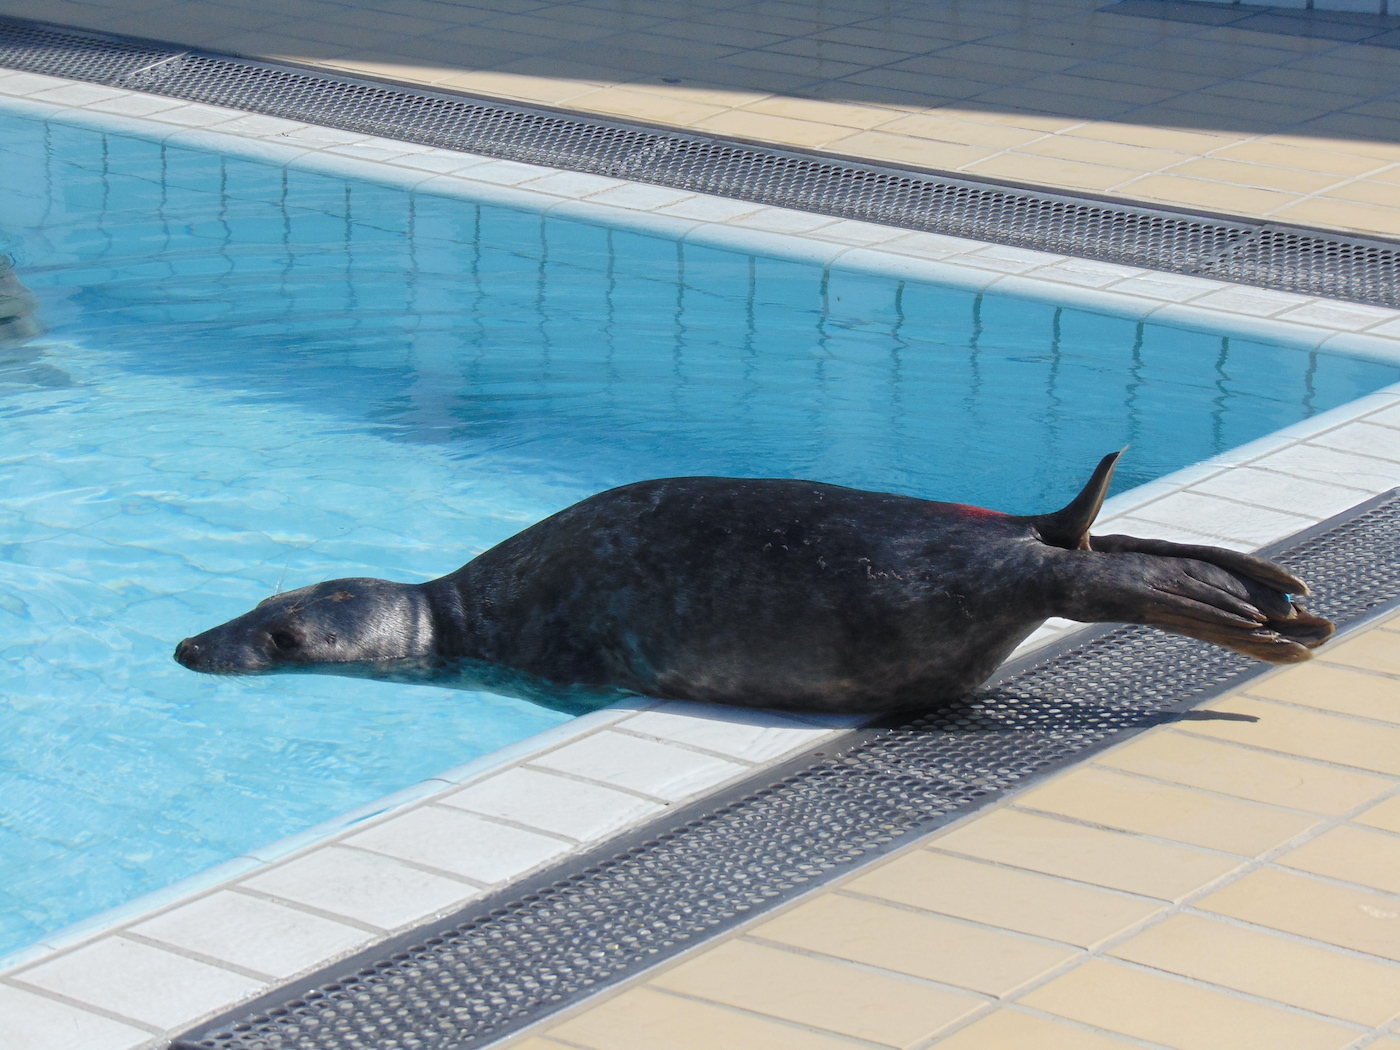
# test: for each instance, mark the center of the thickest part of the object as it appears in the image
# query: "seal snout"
(187, 654)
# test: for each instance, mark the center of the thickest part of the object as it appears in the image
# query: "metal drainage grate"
(510, 960)
(1294, 259)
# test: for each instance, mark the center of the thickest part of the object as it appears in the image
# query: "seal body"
(762, 593)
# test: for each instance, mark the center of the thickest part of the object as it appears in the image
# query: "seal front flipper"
(1235, 600)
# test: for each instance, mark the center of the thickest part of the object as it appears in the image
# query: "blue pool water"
(255, 376)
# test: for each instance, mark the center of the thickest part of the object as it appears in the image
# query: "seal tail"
(1069, 527)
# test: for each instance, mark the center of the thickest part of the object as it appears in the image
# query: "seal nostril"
(186, 651)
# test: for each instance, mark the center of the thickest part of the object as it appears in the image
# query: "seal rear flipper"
(1269, 573)
(1197, 598)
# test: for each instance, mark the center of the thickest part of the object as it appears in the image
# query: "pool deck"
(1200, 868)
(1208, 884)
(1076, 94)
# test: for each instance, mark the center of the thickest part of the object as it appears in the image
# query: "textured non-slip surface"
(511, 960)
(1244, 251)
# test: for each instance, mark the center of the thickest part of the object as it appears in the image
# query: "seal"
(792, 595)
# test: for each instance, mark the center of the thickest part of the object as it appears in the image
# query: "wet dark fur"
(772, 593)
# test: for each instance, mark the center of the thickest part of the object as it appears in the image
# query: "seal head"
(360, 627)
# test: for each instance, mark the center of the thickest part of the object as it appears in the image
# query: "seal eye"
(283, 640)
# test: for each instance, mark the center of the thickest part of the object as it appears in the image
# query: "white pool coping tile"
(139, 981)
(298, 904)
(34, 1021)
(646, 766)
(381, 892)
(462, 844)
(576, 809)
(263, 936)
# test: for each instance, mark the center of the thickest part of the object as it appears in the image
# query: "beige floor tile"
(1015, 118)
(1343, 215)
(966, 132)
(1083, 106)
(1306, 99)
(554, 68)
(1015, 900)
(1262, 176)
(621, 102)
(1349, 918)
(821, 993)
(709, 94)
(748, 124)
(1374, 650)
(1183, 814)
(548, 28)
(919, 90)
(1246, 773)
(1094, 855)
(821, 112)
(1101, 87)
(535, 1042)
(1381, 192)
(1028, 61)
(794, 65)
(926, 946)
(1270, 966)
(1113, 154)
(1317, 159)
(338, 33)
(1378, 149)
(1385, 816)
(1307, 734)
(830, 50)
(1121, 69)
(515, 86)
(394, 67)
(642, 1019)
(1341, 689)
(1012, 1030)
(1173, 139)
(902, 149)
(1171, 1012)
(1304, 78)
(1050, 171)
(1199, 193)
(1365, 857)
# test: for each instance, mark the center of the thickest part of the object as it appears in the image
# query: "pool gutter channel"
(1242, 251)
(514, 958)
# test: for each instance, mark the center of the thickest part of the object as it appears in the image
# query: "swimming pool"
(258, 376)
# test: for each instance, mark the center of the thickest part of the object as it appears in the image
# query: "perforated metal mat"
(1311, 262)
(510, 960)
